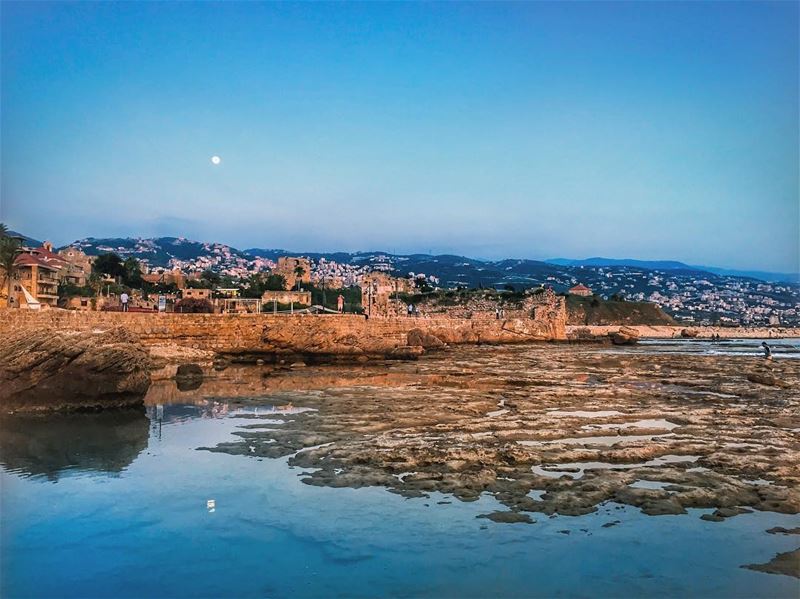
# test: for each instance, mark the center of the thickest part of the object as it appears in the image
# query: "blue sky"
(638, 129)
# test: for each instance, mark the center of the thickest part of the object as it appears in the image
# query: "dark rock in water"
(189, 370)
(780, 530)
(661, 507)
(729, 512)
(724, 512)
(52, 445)
(625, 336)
(508, 517)
(783, 563)
(189, 377)
(711, 518)
(49, 369)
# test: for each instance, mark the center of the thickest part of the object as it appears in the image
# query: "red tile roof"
(43, 252)
(31, 260)
(579, 287)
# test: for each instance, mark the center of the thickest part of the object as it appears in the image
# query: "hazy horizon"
(651, 131)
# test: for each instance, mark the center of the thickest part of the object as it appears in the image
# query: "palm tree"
(9, 248)
(299, 271)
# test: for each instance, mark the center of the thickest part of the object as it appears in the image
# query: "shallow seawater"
(116, 505)
(788, 348)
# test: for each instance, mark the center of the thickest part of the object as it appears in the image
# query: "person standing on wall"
(124, 300)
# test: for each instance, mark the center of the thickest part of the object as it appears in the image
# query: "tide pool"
(99, 505)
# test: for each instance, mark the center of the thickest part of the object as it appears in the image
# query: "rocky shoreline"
(549, 429)
(50, 369)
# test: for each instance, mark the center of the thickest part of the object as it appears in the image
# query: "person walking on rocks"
(767, 350)
(124, 300)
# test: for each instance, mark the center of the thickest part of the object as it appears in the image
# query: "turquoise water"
(115, 505)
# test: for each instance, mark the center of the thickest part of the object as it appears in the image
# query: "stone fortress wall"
(299, 334)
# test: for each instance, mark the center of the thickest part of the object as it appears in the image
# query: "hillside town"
(176, 274)
(43, 277)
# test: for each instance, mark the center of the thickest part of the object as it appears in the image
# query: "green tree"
(95, 282)
(67, 289)
(109, 265)
(422, 284)
(133, 273)
(275, 283)
(299, 272)
(212, 278)
(254, 286)
(9, 249)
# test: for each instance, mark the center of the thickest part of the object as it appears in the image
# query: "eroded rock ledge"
(548, 429)
(50, 369)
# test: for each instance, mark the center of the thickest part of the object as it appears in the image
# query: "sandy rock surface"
(50, 369)
(544, 428)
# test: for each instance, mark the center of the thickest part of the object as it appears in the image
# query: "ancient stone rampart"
(299, 334)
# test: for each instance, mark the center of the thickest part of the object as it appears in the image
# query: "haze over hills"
(158, 251)
(771, 277)
(597, 261)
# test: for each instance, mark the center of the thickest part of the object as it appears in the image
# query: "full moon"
(216, 160)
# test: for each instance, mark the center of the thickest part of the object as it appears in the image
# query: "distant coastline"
(702, 332)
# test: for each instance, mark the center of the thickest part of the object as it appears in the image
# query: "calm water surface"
(781, 348)
(115, 505)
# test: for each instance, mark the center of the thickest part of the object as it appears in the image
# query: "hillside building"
(580, 290)
(166, 277)
(193, 293)
(78, 265)
(35, 282)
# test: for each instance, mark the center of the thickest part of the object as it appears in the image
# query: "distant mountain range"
(447, 267)
(29, 241)
(158, 251)
(771, 277)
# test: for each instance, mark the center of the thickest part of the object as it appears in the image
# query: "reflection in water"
(52, 445)
(189, 383)
(218, 524)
